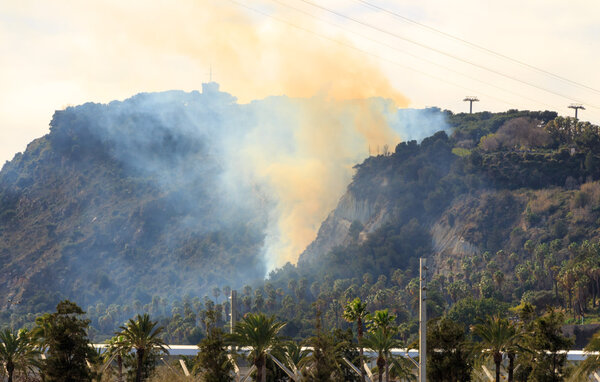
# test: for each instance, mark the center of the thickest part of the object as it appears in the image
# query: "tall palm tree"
(17, 351)
(382, 342)
(498, 336)
(260, 333)
(142, 334)
(356, 310)
(382, 319)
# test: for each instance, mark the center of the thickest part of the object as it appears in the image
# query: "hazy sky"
(58, 53)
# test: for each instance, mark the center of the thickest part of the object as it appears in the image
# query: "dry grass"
(582, 215)
(592, 191)
(164, 373)
(543, 202)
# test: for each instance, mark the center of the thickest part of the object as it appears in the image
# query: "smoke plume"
(296, 147)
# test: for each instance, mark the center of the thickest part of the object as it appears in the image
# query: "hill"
(506, 207)
(129, 207)
(166, 195)
(122, 201)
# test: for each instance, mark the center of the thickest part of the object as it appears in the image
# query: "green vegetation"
(259, 332)
(212, 359)
(533, 344)
(17, 352)
(506, 207)
(142, 335)
(63, 337)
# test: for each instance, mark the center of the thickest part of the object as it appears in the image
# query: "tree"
(260, 333)
(498, 336)
(142, 334)
(212, 359)
(63, 335)
(321, 364)
(17, 351)
(117, 350)
(592, 359)
(385, 321)
(356, 311)
(547, 360)
(381, 319)
(293, 355)
(381, 341)
(449, 357)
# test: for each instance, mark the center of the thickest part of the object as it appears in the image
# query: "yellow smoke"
(253, 57)
(159, 45)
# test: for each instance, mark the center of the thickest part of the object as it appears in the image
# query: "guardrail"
(191, 350)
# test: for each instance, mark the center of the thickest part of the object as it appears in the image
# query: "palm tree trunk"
(120, 368)
(387, 370)
(511, 366)
(361, 351)
(380, 367)
(261, 375)
(140, 364)
(10, 368)
(497, 361)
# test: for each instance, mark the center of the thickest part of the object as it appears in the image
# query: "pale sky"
(59, 53)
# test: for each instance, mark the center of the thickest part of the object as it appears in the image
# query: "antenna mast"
(471, 99)
(576, 106)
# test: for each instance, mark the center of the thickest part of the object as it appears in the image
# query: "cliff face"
(366, 214)
(447, 240)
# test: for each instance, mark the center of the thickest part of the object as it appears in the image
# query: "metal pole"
(233, 310)
(422, 320)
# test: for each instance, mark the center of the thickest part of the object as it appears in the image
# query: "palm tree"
(356, 310)
(17, 352)
(260, 333)
(498, 336)
(381, 319)
(382, 342)
(323, 362)
(117, 349)
(142, 334)
(293, 355)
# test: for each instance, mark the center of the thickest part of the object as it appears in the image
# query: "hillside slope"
(170, 194)
(507, 209)
(126, 200)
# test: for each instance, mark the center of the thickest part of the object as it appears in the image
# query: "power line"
(368, 53)
(412, 55)
(482, 48)
(444, 53)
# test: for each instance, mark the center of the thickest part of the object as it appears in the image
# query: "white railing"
(572, 355)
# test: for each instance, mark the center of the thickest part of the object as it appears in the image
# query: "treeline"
(521, 344)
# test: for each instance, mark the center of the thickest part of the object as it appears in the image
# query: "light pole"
(233, 310)
(422, 320)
